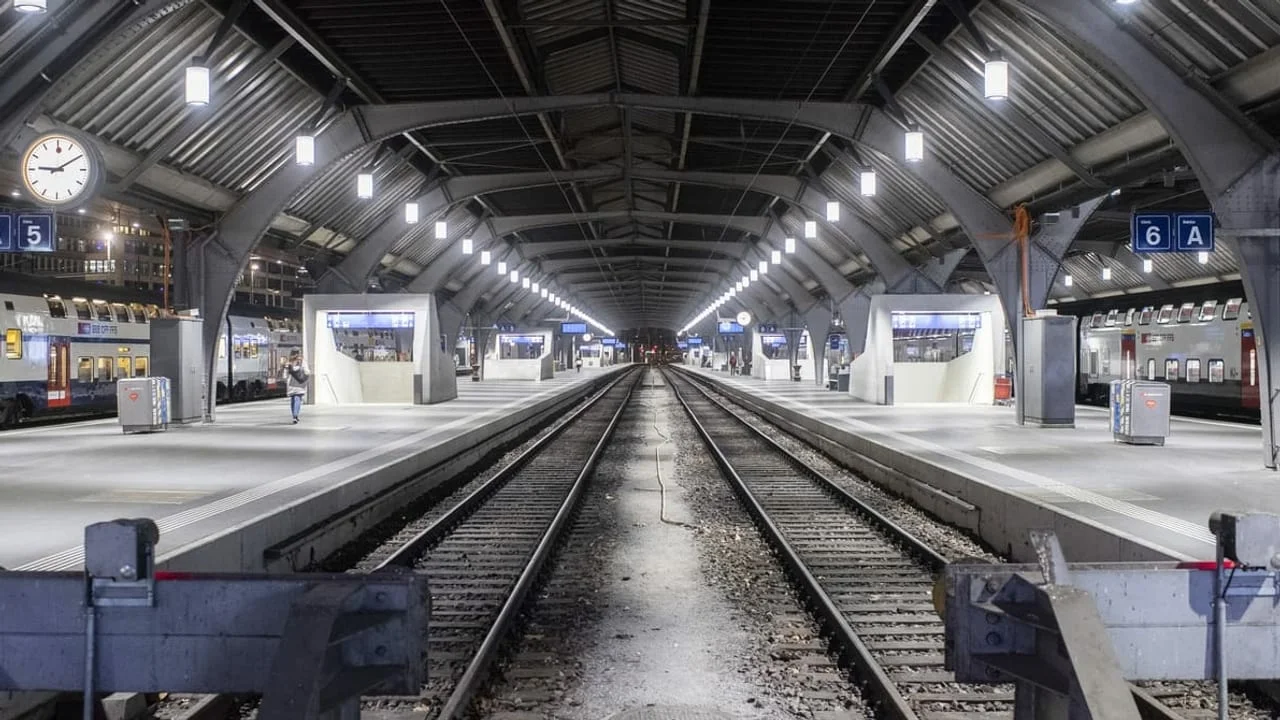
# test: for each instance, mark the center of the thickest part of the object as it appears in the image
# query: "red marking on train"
(171, 575)
(1205, 564)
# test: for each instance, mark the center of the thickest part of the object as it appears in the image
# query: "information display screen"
(573, 328)
(682, 345)
(369, 320)
(729, 328)
(773, 339)
(936, 321)
(608, 341)
(694, 342)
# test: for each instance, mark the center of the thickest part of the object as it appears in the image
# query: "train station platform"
(222, 492)
(976, 467)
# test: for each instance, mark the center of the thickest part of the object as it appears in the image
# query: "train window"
(124, 367)
(85, 370)
(1193, 370)
(56, 307)
(1128, 316)
(222, 346)
(1151, 368)
(140, 366)
(139, 313)
(1096, 320)
(1166, 314)
(1170, 370)
(104, 369)
(153, 312)
(82, 308)
(253, 351)
(13, 344)
(1208, 311)
(1112, 316)
(102, 310)
(120, 312)
(1144, 318)
(1232, 309)
(1186, 312)
(1217, 369)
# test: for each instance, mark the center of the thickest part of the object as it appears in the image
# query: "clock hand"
(65, 164)
(50, 169)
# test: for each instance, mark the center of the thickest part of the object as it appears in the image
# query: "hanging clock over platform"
(61, 169)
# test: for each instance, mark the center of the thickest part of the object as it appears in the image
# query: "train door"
(1249, 396)
(1128, 355)
(59, 389)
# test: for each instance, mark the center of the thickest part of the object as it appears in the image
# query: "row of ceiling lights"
(1147, 266)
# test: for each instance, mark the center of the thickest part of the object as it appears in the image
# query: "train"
(1200, 340)
(66, 343)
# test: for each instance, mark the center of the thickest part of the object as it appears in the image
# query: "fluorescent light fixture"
(411, 213)
(468, 246)
(1203, 257)
(197, 84)
(775, 256)
(810, 229)
(515, 276)
(536, 288)
(867, 180)
(789, 245)
(763, 267)
(1106, 273)
(524, 283)
(544, 293)
(914, 144)
(502, 267)
(755, 275)
(304, 150)
(1068, 280)
(1147, 266)
(442, 230)
(733, 291)
(486, 257)
(996, 78)
(1115, 193)
(31, 6)
(364, 186)
(833, 211)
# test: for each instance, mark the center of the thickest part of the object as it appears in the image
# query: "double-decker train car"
(1199, 340)
(65, 344)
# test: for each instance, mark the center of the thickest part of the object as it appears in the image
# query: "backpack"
(299, 375)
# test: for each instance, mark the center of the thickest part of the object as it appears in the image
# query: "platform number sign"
(27, 232)
(1170, 232)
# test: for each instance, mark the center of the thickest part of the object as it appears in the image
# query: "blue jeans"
(295, 404)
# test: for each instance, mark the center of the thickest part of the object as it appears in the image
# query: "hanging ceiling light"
(996, 78)
(789, 245)
(867, 181)
(1203, 257)
(486, 257)
(1068, 280)
(524, 283)
(304, 150)
(764, 267)
(914, 144)
(535, 288)
(1147, 266)
(515, 276)
(755, 275)
(468, 246)
(442, 229)
(31, 6)
(411, 213)
(543, 292)
(733, 291)
(364, 186)
(833, 211)
(197, 83)
(775, 257)
(810, 229)
(1106, 273)
(502, 267)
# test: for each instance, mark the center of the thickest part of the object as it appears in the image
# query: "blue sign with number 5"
(34, 233)
(6, 232)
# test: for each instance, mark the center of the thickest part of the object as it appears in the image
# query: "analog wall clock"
(61, 169)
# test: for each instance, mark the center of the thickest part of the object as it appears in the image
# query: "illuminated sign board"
(369, 320)
(573, 328)
(694, 342)
(729, 328)
(608, 341)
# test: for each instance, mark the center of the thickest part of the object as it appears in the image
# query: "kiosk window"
(1193, 370)
(1170, 369)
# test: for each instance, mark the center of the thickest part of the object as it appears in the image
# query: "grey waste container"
(888, 389)
(1140, 411)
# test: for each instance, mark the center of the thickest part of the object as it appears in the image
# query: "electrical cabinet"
(1049, 370)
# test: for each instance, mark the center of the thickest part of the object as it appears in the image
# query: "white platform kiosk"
(376, 349)
(931, 349)
(771, 354)
(519, 354)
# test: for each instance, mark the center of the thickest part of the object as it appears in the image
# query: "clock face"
(58, 169)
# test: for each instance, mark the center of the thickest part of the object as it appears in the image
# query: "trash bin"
(142, 404)
(1140, 411)
(475, 373)
(888, 389)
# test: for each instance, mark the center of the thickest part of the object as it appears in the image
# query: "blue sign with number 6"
(1152, 233)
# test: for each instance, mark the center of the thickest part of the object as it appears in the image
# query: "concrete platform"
(976, 467)
(222, 492)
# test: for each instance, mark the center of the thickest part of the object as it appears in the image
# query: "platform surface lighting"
(1068, 280)
(502, 267)
(775, 256)
(996, 79)
(364, 186)
(1203, 257)
(411, 213)
(1147, 266)
(468, 246)
(1106, 273)
(197, 84)
(789, 245)
(442, 230)
(833, 211)
(914, 141)
(486, 257)
(755, 275)
(867, 183)
(810, 229)
(31, 6)
(763, 267)
(304, 150)
(515, 276)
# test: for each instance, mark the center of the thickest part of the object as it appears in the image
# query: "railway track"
(869, 581)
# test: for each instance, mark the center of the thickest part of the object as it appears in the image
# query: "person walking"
(296, 379)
